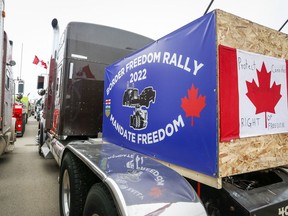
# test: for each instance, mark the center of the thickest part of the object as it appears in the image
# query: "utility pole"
(21, 60)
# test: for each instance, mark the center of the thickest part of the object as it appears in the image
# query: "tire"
(2, 145)
(133, 121)
(38, 140)
(99, 202)
(75, 182)
(23, 125)
(41, 134)
(41, 138)
(138, 122)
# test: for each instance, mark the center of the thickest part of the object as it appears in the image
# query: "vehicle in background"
(27, 107)
(20, 121)
(7, 122)
(20, 114)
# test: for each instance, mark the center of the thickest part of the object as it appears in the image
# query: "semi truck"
(208, 136)
(7, 122)
(20, 113)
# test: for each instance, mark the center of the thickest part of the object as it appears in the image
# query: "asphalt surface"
(28, 183)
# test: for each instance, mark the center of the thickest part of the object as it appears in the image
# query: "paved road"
(28, 183)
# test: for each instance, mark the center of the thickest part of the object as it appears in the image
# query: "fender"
(138, 184)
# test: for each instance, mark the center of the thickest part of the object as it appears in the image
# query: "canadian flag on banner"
(36, 61)
(253, 94)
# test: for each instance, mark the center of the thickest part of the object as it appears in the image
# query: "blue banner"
(162, 99)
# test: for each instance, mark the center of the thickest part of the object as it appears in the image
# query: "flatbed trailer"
(209, 139)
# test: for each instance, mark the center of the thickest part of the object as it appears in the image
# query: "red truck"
(19, 115)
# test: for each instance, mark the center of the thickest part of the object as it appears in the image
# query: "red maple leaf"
(263, 97)
(193, 105)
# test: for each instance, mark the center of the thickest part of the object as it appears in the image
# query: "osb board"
(251, 154)
(236, 32)
(255, 153)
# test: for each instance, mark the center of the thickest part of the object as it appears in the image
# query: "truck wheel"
(99, 202)
(73, 186)
(38, 140)
(41, 134)
(23, 125)
(3, 145)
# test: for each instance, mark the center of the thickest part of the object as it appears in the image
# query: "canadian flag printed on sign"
(253, 94)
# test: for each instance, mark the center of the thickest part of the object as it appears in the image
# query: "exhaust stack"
(56, 31)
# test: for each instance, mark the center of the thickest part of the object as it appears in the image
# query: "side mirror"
(11, 63)
(41, 92)
(19, 96)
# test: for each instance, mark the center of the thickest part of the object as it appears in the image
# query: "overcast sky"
(28, 23)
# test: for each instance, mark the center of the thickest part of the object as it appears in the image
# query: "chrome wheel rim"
(66, 193)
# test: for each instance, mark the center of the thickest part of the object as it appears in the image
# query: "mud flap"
(46, 151)
(10, 147)
(10, 144)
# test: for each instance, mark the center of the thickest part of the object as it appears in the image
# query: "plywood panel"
(256, 153)
(251, 154)
(243, 34)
